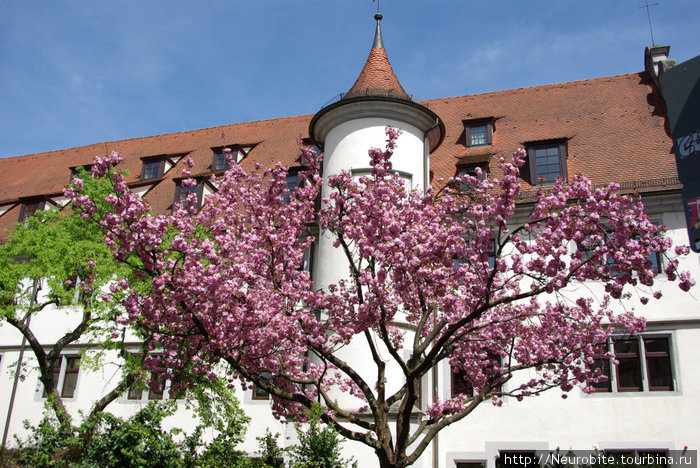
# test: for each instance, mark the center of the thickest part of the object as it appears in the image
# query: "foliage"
(138, 441)
(56, 262)
(474, 284)
(319, 445)
(272, 456)
(218, 411)
(50, 444)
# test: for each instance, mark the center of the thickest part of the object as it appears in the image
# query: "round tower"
(356, 122)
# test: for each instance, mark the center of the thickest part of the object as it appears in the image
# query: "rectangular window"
(74, 170)
(70, 377)
(463, 170)
(135, 393)
(460, 385)
(488, 255)
(472, 464)
(547, 162)
(28, 209)
(478, 134)
(307, 260)
(221, 162)
(181, 192)
(293, 181)
(153, 168)
(66, 375)
(643, 365)
(157, 392)
(259, 393)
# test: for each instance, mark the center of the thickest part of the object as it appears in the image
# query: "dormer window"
(470, 169)
(220, 161)
(153, 168)
(235, 153)
(30, 207)
(547, 162)
(74, 170)
(478, 133)
(182, 190)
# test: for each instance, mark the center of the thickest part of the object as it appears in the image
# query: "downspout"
(6, 431)
(426, 154)
(426, 181)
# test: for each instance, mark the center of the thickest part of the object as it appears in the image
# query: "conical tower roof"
(377, 77)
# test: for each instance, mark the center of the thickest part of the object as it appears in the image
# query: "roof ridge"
(147, 137)
(546, 85)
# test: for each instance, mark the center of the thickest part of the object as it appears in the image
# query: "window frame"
(469, 127)
(60, 374)
(457, 376)
(562, 149)
(151, 162)
(198, 189)
(257, 393)
(613, 385)
(29, 208)
(218, 153)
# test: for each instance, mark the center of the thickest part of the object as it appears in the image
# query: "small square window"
(135, 393)
(181, 192)
(221, 161)
(470, 169)
(478, 134)
(74, 170)
(30, 207)
(547, 162)
(259, 393)
(153, 168)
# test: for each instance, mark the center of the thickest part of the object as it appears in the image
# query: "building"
(610, 129)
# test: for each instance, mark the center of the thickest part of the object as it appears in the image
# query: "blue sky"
(75, 72)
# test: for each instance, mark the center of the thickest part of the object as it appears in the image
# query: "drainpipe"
(32, 302)
(436, 455)
(426, 154)
(426, 182)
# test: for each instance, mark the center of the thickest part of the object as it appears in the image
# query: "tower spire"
(378, 42)
(377, 78)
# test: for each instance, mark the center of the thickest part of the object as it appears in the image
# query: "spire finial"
(378, 42)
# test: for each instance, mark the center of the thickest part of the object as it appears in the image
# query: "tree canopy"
(463, 274)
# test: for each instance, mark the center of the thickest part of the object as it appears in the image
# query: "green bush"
(319, 445)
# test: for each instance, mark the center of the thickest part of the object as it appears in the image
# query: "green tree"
(57, 262)
(319, 445)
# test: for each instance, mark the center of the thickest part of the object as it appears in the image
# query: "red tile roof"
(377, 78)
(615, 126)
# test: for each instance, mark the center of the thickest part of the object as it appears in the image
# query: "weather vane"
(646, 5)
